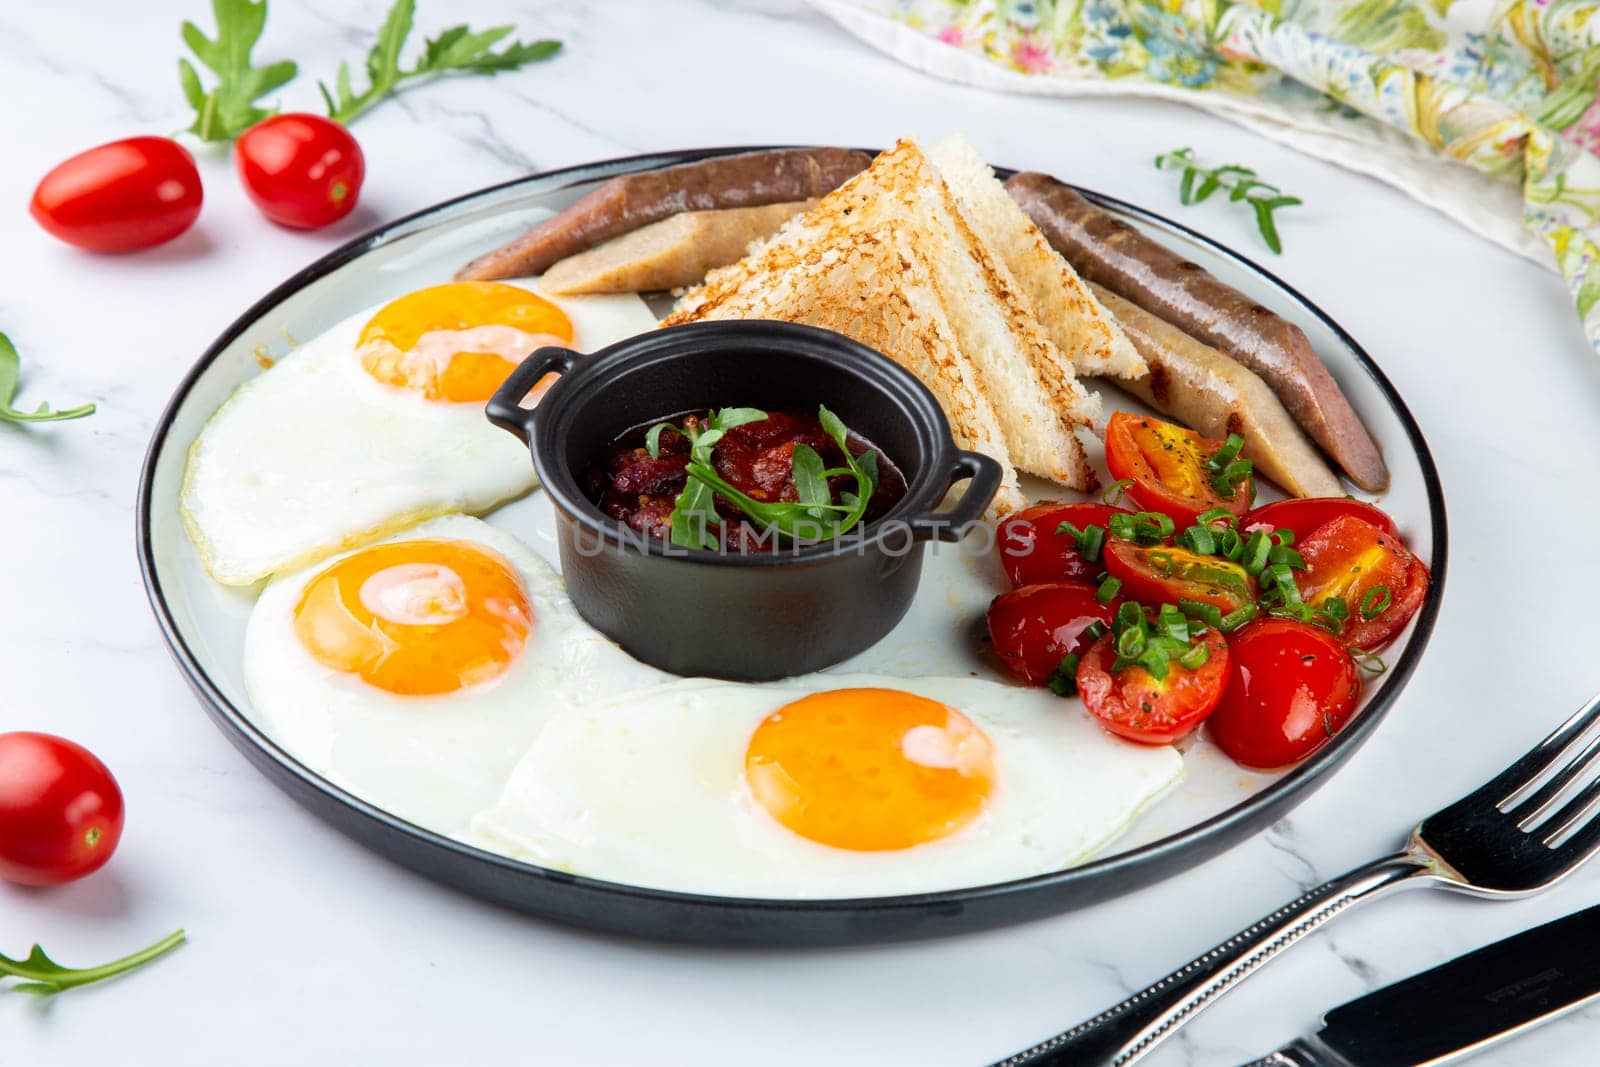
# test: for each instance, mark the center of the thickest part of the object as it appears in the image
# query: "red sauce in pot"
(640, 490)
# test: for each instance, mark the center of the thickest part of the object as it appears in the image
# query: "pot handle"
(505, 408)
(953, 524)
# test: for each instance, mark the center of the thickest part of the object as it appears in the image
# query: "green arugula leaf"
(230, 108)
(728, 418)
(1242, 184)
(810, 481)
(46, 977)
(455, 50)
(10, 372)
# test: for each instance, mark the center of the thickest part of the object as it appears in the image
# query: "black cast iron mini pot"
(759, 615)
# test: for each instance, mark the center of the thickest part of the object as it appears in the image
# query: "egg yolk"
(416, 617)
(457, 342)
(870, 769)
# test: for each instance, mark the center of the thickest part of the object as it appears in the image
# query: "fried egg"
(414, 672)
(832, 786)
(379, 423)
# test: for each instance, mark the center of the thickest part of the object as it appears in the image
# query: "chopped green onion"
(1375, 602)
(1230, 544)
(1108, 590)
(1116, 491)
(1089, 545)
(1368, 661)
(1195, 658)
(1206, 518)
(1280, 576)
(1128, 615)
(1173, 623)
(1066, 527)
(1237, 618)
(1094, 631)
(1199, 540)
(1256, 551)
(1278, 554)
(1064, 679)
(1283, 536)
(1131, 642)
(1209, 614)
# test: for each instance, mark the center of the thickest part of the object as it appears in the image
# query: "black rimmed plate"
(1217, 805)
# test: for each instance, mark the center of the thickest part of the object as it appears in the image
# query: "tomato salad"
(1191, 606)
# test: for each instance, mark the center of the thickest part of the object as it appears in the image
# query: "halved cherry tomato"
(1165, 574)
(1134, 704)
(301, 170)
(1031, 551)
(1303, 516)
(1291, 687)
(1167, 465)
(1381, 582)
(60, 810)
(121, 196)
(1035, 627)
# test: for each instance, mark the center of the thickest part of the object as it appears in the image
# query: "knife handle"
(1127, 1032)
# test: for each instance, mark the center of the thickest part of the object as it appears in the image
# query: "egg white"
(648, 789)
(437, 759)
(316, 455)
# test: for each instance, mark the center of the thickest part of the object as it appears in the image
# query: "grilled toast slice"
(872, 285)
(988, 318)
(1083, 331)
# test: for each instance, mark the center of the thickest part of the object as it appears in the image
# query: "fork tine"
(1581, 844)
(1538, 759)
(1570, 814)
(1528, 811)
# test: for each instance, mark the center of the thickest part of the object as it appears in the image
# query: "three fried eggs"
(441, 673)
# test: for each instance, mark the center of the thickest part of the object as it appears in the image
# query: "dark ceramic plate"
(1216, 807)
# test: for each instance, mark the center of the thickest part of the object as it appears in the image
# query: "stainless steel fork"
(1523, 831)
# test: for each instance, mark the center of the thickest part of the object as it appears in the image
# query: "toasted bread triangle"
(1083, 331)
(997, 346)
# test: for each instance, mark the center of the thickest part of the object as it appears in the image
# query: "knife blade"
(1462, 1006)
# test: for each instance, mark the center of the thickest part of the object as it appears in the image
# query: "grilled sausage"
(631, 201)
(1106, 250)
(1215, 396)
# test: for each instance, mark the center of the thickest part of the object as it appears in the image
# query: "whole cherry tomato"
(120, 196)
(60, 810)
(1290, 688)
(1034, 628)
(1305, 515)
(301, 170)
(1135, 704)
(1167, 465)
(1381, 583)
(1032, 551)
(1165, 574)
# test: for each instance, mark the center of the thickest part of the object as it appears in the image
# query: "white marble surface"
(305, 948)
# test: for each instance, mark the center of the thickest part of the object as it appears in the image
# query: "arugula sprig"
(1200, 182)
(43, 976)
(813, 516)
(10, 372)
(229, 108)
(458, 49)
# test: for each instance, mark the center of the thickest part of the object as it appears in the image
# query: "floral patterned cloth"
(1488, 112)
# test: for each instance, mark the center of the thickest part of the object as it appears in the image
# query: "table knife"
(1462, 1006)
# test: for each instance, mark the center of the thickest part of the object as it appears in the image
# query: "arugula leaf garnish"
(1200, 182)
(45, 977)
(10, 371)
(229, 108)
(695, 512)
(456, 50)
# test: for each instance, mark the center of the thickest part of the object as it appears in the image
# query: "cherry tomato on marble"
(120, 196)
(1134, 704)
(1167, 465)
(1303, 516)
(301, 170)
(1037, 626)
(1381, 583)
(60, 810)
(1291, 686)
(1031, 551)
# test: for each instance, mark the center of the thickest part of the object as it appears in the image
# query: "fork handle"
(1127, 1032)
